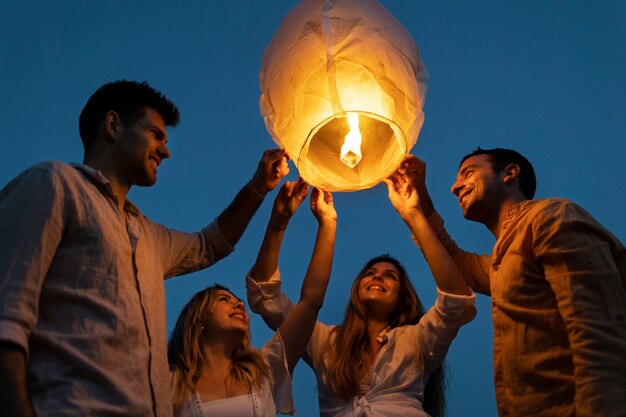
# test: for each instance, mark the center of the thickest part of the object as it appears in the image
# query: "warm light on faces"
(228, 313)
(477, 188)
(380, 286)
(143, 146)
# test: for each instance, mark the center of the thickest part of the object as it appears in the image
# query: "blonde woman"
(215, 370)
(385, 358)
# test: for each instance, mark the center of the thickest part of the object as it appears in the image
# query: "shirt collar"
(104, 184)
(515, 210)
(382, 337)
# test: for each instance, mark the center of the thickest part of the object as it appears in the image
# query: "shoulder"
(53, 167)
(550, 204)
(52, 171)
(557, 208)
(40, 177)
(47, 168)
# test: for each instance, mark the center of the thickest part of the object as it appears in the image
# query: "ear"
(511, 172)
(112, 125)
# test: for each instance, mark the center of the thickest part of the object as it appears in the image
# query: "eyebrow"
(152, 126)
(462, 171)
(161, 134)
(383, 270)
(229, 295)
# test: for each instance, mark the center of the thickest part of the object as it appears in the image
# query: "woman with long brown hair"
(215, 370)
(386, 358)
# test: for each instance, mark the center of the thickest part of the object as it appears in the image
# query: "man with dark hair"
(557, 282)
(82, 308)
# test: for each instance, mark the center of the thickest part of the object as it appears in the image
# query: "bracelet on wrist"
(277, 227)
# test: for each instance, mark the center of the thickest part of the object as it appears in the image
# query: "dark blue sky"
(545, 78)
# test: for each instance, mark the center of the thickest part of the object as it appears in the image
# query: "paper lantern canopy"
(342, 90)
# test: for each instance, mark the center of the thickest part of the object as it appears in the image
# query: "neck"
(101, 162)
(495, 224)
(218, 360)
(374, 327)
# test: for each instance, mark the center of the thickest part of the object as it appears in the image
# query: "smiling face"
(379, 288)
(227, 313)
(141, 147)
(479, 189)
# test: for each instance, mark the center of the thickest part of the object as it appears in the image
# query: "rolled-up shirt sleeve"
(274, 353)
(31, 228)
(268, 300)
(439, 326)
(189, 252)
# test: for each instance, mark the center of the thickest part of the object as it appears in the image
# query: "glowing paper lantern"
(342, 90)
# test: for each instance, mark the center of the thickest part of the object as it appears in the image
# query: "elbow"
(313, 304)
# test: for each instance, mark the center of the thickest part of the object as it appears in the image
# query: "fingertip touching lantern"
(342, 90)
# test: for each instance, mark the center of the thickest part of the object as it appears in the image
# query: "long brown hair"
(346, 355)
(185, 354)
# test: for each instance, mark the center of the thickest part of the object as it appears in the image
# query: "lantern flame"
(351, 148)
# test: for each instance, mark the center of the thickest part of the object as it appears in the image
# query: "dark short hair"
(129, 100)
(500, 158)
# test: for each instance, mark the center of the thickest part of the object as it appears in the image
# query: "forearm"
(267, 260)
(235, 218)
(299, 324)
(445, 272)
(14, 398)
(425, 201)
(474, 267)
(318, 273)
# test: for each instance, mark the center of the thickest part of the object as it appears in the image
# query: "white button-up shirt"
(399, 374)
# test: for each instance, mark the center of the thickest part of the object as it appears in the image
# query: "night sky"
(544, 78)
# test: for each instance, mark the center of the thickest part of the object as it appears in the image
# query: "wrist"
(258, 191)
(327, 221)
(278, 222)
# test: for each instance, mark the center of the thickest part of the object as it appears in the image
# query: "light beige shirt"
(83, 295)
(557, 282)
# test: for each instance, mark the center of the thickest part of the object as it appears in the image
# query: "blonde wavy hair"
(346, 356)
(185, 354)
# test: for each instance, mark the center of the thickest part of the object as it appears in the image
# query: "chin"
(146, 182)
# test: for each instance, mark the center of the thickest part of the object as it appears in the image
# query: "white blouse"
(398, 376)
(264, 401)
(239, 406)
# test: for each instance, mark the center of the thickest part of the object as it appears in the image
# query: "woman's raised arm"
(300, 322)
(405, 200)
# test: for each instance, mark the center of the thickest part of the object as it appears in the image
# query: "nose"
(163, 151)
(377, 277)
(456, 188)
(239, 305)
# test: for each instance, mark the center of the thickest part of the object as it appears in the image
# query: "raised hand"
(414, 171)
(271, 169)
(322, 206)
(402, 195)
(287, 201)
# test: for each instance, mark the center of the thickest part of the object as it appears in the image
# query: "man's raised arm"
(235, 218)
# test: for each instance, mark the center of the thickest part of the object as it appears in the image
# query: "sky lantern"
(342, 90)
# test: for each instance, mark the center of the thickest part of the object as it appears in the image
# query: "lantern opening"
(351, 148)
(383, 146)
